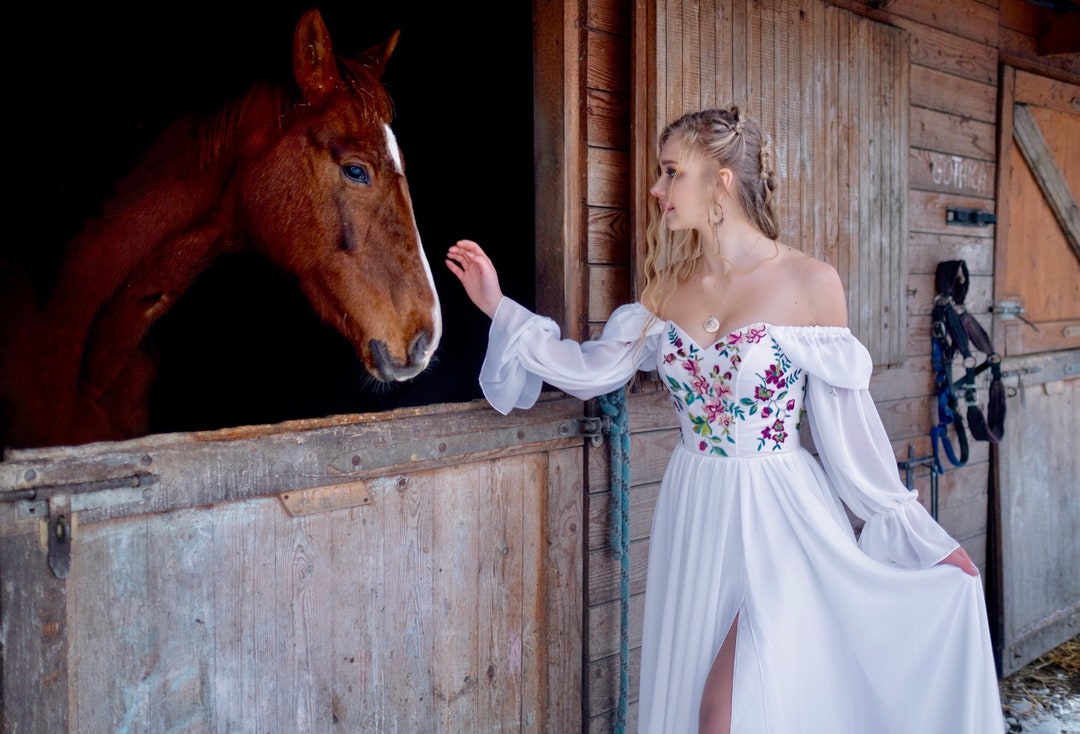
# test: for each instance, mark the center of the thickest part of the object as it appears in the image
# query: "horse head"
(344, 223)
(311, 178)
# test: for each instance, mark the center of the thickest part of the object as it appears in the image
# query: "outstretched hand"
(474, 269)
(961, 560)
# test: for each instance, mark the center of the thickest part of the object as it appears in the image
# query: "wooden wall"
(952, 159)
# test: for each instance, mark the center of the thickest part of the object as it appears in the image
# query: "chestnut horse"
(309, 177)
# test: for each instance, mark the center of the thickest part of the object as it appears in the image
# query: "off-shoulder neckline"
(766, 327)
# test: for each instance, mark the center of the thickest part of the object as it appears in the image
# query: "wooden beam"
(1060, 34)
(1049, 177)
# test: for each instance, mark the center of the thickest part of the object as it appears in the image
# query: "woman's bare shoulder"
(817, 289)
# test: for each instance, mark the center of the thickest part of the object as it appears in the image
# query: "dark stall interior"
(90, 85)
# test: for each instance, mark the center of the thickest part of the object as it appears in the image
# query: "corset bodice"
(740, 396)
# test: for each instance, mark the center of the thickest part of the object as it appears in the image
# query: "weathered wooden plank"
(255, 461)
(604, 682)
(564, 589)
(642, 504)
(953, 174)
(928, 213)
(914, 377)
(950, 53)
(1037, 90)
(1020, 338)
(1040, 523)
(609, 57)
(604, 631)
(606, 722)
(558, 111)
(358, 587)
(1022, 51)
(609, 178)
(108, 638)
(952, 135)
(505, 607)
(970, 19)
(609, 16)
(936, 90)
(609, 236)
(926, 250)
(607, 120)
(604, 573)
(650, 452)
(34, 630)
(457, 548)
(1047, 175)
(609, 288)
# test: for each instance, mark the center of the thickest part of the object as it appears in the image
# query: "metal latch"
(595, 428)
(1012, 310)
(57, 504)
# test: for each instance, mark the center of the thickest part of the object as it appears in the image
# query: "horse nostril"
(419, 346)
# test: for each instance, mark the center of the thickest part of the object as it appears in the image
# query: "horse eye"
(356, 173)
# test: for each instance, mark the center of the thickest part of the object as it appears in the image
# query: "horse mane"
(216, 132)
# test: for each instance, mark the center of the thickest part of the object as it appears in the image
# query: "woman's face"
(679, 189)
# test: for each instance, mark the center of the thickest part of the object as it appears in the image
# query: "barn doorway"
(257, 354)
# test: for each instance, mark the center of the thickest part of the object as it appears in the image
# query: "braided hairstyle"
(719, 138)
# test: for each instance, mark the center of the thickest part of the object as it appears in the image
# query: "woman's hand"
(960, 559)
(473, 268)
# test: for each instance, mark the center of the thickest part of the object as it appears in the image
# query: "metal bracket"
(56, 505)
(974, 217)
(595, 428)
(1012, 310)
(59, 535)
(908, 467)
(37, 501)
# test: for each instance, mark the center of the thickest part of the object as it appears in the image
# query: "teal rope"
(614, 405)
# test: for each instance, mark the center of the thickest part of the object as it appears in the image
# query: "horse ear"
(314, 65)
(375, 58)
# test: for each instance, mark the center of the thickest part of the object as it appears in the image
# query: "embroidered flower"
(753, 336)
(703, 382)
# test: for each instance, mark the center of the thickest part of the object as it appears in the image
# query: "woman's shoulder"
(816, 287)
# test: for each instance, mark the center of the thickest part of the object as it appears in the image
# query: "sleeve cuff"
(906, 536)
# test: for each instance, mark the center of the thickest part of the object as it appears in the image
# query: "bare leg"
(715, 714)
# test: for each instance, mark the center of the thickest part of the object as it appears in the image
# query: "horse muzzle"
(388, 369)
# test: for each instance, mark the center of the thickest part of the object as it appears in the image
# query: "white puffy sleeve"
(525, 350)
(855, 450)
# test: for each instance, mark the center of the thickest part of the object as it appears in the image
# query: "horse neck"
(172, 215)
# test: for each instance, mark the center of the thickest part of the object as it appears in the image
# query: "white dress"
(835, 635)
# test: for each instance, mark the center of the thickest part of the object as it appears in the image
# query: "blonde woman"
(764, 614)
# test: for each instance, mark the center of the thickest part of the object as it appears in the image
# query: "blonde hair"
(719, 138)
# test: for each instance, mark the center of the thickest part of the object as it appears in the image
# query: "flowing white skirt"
(830, 641)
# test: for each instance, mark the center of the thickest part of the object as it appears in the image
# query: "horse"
(307, 174)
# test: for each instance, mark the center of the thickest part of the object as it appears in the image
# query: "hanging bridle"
(955, 330)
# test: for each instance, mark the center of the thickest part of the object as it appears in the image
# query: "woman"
(764, 614)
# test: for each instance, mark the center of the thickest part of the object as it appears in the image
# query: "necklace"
(712, 324)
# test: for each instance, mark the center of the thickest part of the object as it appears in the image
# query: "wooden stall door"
(414, 573)
(1037, 269)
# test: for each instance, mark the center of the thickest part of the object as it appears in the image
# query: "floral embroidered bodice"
(740, 396)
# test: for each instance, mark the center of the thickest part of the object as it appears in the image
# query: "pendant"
(711, 325)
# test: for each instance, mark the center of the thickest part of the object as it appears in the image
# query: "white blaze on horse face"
(392, 147)
(436, 310)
